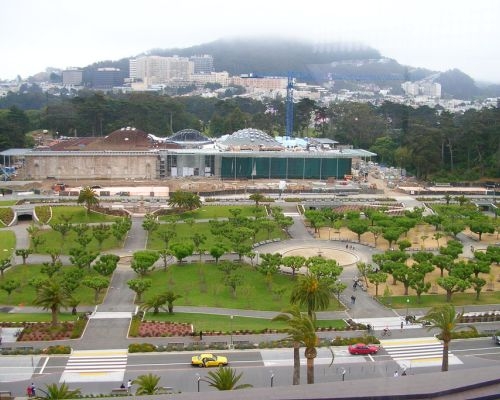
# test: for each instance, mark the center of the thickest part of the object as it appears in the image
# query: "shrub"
(6, 215)
(141, 348)
(59, 349)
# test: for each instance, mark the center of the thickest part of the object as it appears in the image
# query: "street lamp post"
(198, 379)
(272, 378)
(407, 304)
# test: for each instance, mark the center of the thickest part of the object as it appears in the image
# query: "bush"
(59, 349)
(78, 328)
(135, 324)
(141, 348)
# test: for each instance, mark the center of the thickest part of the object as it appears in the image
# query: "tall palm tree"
(309, 291)
(156, 303)
(52, 296)
(89, 197)
(147, 384)
(290, 315)
(302, 329)
(225, 378)
(54, 391)
(445, 319)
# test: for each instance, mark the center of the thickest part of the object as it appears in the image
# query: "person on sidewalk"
(129, 386)
(396, 374)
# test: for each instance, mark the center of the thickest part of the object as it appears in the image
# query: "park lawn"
(185, 232)
(223, 323)
(78, 215)
(54, 240)
(213, 212)
(7, 203)
(432, 300)
(7, 244)
(203, 285)
(35, 317)
(26, 294)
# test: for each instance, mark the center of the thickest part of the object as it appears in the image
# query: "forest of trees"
(429, 142)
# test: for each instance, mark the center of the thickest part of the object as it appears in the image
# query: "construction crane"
(289, 107)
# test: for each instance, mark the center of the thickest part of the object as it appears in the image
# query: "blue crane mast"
(289, 107)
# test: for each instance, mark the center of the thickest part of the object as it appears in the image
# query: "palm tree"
(302, 329)
(89, 197)
(52, 296)
(445, 319)
(312, 293)
(170, 298)
(225, 378)
(147, 384)
(257, 197)
(54, 391)
(289, 316)
(156, 303)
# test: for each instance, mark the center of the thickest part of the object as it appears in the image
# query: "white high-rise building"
(72, 77)
(158, 70)
(132, 68)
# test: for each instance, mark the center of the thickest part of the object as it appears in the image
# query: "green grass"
(185, 231)
(25, 294)
(7, 203)
(35, 317)
(458, 299)
(54, 240)
(223, 323)
(7, 244)
(213, 212)
(78, 215)
(202, 285)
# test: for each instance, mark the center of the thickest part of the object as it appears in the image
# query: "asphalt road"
(259, 367)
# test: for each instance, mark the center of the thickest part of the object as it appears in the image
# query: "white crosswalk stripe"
(417, 352)
(291, 214)
(95, 366)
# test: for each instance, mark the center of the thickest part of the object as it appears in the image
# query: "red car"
(361, 348)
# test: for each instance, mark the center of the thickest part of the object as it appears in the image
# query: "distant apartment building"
(221, 78)
(203, 64)
(429, 89)
(72, 77)
(107, 78)
(154, 70)
(266, 83)
(132, 69)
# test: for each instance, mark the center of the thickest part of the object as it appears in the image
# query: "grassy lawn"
(458, 299)
(54, 240)
(7, 244)
(202, 285)
(35, 317)
(78, 215)
(223, 323)
(213, 212)
(7, 203)
(25, 294)
(185, 232)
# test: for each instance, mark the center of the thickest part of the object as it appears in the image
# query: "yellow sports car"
(208, 360)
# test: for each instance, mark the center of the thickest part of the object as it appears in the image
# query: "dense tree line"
(429, 142)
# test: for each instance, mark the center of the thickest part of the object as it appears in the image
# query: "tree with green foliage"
(293, 262)
(53, 391)
(147, 384)
(97, 283)
(150, 223)
(391, 234)
(4, 264)
(198, 240)
(63, 228)
(120, 228)
(452, 284)
(52, 296)
(181, 250)
(101, 232)
(269, 266)
(106, 264)
(184, 200)
(377, 278)
(82, 257)
(51, 268)
(358, 226)
(225, 378)
(217, 251)
(171, 297)
(9, 286)
(312, 293)
(143, 261)
(445, 319)
(89, 197)
(139, 286)
(24, 254)
(257, 198)
(480, 226)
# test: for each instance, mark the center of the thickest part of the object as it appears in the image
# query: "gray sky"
(435, 34)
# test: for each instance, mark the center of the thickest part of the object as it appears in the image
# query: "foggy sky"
(438, 34)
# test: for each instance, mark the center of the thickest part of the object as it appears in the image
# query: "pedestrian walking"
(201, 335)
(129, 386)
(33, 389)
(353, 299)
(401, 325)
(396, 374)
(28, 391)
(346, 246)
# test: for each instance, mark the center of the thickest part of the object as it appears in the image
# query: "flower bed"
(41, 331)
(159, 329)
